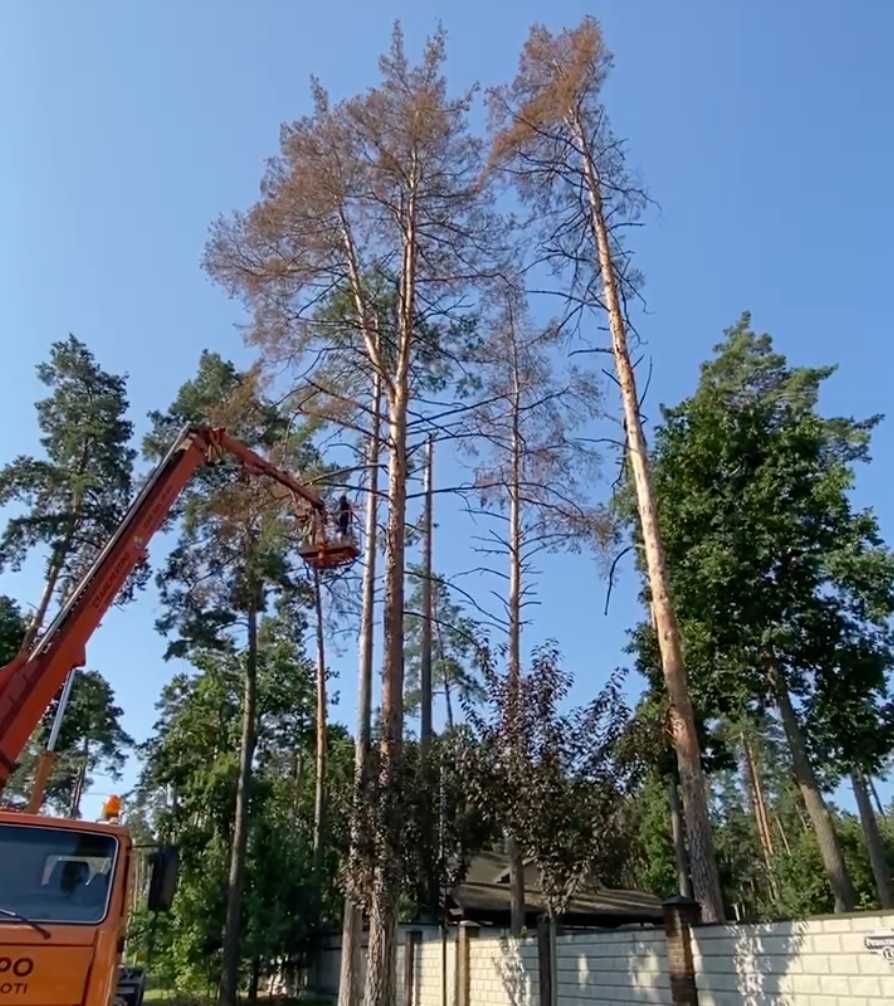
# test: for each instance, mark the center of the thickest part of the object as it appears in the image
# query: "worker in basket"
(308, 525)
(344, 517)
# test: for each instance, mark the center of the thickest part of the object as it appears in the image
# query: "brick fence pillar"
(680, 914)
(467, 931)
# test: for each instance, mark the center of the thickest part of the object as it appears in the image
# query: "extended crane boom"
(30, 681)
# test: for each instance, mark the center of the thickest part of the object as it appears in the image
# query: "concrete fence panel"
(836, 961)
(833, 961)
(503, 971)
(613, 968)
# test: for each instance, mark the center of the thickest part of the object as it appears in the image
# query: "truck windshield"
(55, 875)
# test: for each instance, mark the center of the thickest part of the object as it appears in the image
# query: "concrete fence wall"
(428, 952)
(503, 971)
(835, 961)
(429, 984)
(604, 969)
(815, 962)
(596, 968)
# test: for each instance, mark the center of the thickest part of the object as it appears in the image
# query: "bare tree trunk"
(879, 807)
(756, 796)
(36, 623)
(255, 979)
(516, 864)
(874, 844)
(761, 820)
(350, 965)
(429, 893)
(380, 971)
(781, 829)
(761, 801)
(425, 726)
(320, 763)
(352, 924)
(57, 564)
(799, 808)
(382, 952)
(705, 879)
(448, 705)
(820, 818)
(448, 701)
(229, 980)
(516, 887)
(684, 884)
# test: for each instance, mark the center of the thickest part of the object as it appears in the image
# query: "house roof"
(484, 896)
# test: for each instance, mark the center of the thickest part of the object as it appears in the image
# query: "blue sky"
(762, 129)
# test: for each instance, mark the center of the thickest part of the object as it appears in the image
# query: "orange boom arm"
(31, 680)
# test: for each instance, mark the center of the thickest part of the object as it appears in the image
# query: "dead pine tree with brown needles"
(532, 473)
(379, 192)
(553, 138)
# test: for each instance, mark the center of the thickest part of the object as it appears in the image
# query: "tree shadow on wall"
(613, 965)
(757, 961)
(519, 983)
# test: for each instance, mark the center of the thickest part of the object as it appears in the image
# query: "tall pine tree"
(785, 589)
(69, 501)
(233, 555)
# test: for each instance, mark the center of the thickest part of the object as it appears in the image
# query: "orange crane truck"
(64, 884)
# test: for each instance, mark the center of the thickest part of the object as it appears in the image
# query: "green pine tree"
(784, 588)
(69, 501)
(12, 628)
(235, 557)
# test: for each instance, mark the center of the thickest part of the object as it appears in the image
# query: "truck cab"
(63, 910)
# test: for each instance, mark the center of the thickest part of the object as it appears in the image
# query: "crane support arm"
(31, 680)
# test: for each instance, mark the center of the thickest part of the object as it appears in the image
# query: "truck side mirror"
(162, 879)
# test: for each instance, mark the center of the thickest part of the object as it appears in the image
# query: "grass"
(173, 998)
(159, 995)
